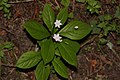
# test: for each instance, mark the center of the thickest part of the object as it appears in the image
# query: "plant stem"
(57, 3)
(16, 2)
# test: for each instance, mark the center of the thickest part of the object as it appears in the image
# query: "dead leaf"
(93, 63)
(2, 32)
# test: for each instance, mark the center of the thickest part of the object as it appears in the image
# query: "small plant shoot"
(57, 41)
(6, 45)
(5, 7)
(92, 5)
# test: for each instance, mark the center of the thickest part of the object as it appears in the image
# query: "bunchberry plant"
(92, 5)
(6, 45)
(57, 42)
(104, 25)
(5, 7)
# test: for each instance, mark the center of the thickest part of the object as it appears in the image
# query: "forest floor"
(95, 62)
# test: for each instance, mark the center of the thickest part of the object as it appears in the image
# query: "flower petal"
(57, 37)
(57, 23)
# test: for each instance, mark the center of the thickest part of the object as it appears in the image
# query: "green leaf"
(118, 42)
(101, 17)
(36, 30)
(107, 29)
(57, 52)
(28, 60)
(118, 29)
(6, 10)
(71, 15)
(113, 26)
(60, 68)
(8, 15)
(71, 32)
(117, 13)
(1, 54)
(41, 42)
(65, 2)
(48, 16)
(104, 17)
(102, 24)
(1, 7)
(92, 2)
(42, 72)
(68, 50)
(8, 5)
(6, 45)
(102, 41)
(95, 29)
(47, 50)
(5, 1)
(81, 1)
(107, 17)
(63, 15)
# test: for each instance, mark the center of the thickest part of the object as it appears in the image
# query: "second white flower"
(58, 23)
(57, 37)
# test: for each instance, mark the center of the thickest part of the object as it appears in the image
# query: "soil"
(95, 62)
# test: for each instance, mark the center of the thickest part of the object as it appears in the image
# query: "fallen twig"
(7, 30)
(8, 65)
(57, 3)
(96, 71)
(73, 7)
(16, 2)
(36, 11)
(88, 41)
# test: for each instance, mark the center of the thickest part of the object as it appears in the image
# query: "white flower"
(57, 37)
(76, 27)
(57, 23)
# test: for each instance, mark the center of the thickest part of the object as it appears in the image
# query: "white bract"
(76, 27)
(58, 23)
(57, 37)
